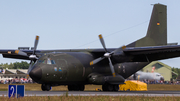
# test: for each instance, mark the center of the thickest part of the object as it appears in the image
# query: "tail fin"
(157, 30)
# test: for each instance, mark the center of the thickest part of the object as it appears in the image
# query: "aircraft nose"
(36, 74)
(161, 78)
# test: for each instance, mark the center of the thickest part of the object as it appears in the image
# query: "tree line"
(16, 65)
(176, 70)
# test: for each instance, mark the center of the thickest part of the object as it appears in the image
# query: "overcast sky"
(76, 24)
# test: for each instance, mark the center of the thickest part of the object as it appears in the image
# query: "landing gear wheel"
(110, 87)
(45, 87)
(81, 87)
(116, 88)
(107, 87)
(76, 88)
(104, 87)
(70, 87)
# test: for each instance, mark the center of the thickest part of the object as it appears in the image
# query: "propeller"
(106, 55)
(33, 56)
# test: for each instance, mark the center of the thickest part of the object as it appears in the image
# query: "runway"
(98, 93)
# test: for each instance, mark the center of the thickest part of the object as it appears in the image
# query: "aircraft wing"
(11, 53)
(144, 54)
(137, 54)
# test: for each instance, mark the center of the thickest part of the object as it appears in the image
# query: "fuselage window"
(41, 61)
(158, 75)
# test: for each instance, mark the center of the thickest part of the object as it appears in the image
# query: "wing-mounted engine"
(108, 55)
(99, 79)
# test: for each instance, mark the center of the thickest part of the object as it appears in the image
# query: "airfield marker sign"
(12, 91)
(20, 91)
(16, 91)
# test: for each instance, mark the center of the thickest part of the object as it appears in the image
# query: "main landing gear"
(110, 87)
(45, 87)
(76, 87)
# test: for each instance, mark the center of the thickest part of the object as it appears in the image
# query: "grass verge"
(91, 98)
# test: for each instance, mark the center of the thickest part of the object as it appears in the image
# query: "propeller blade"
(21, 53)
(102, 42)
(111, 67)
(30, 67)
(96, 60)
(35, 44)
(33, 56)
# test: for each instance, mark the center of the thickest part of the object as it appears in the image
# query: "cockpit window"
(53, 62)
(47, 61)
(44, 61)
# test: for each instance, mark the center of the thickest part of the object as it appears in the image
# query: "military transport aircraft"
(106, 67)
(139, 75)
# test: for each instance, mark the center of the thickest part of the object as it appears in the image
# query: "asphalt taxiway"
(98, 93)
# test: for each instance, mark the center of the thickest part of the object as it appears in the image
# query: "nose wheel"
(46, 87)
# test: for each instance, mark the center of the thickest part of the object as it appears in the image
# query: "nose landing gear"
(46, 87)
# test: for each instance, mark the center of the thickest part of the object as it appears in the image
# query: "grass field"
(37, 87)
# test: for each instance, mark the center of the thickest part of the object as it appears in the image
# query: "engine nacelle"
(100, 79)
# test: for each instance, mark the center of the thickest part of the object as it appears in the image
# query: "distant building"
(161, 68)
(13, 73)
